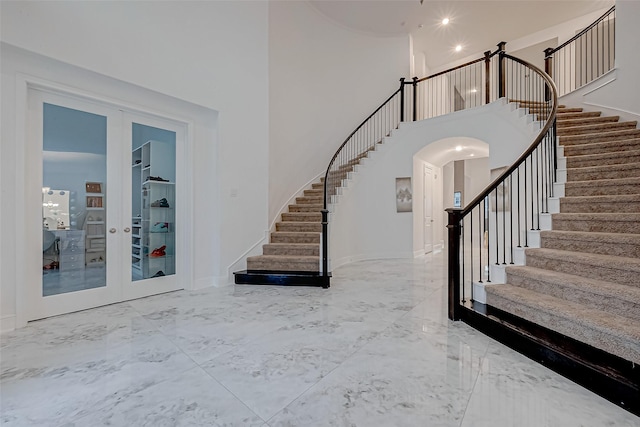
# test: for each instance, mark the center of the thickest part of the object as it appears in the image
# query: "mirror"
(55, 209)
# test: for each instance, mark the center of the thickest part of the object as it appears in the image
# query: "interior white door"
(153, 205)
(72, 210)
(428, 209)
(84, 229)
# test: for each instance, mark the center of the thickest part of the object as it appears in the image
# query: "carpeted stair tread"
(601, 295)
(567, 110)
(600, 137)
(565, 116)
(597, 127)
(295, 237)
(624, 170)
(303, 249)
(611, 333)
(599, 222)
(622, 270)
(602, 187)
(604, 158)
(602, 147)
(587, 121)
(317, 207)
(307, 200)
(283, 263)
(299, 226)
(616, 244)
(302, 216)
(622, 203)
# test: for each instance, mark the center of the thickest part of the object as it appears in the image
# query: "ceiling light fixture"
(459, 148)
(445, 21)
(458, 48)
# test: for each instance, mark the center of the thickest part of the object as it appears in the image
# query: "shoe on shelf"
(160, 273)
(162, 203)
(158, 252)
(157, 178)
(160, 227)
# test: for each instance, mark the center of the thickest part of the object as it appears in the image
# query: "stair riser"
(586, 121)
(308, 200)
(605, 147)
(293, 251)
(601, 190)
(591, 129)
(593, 247)
(568, 327)
(615, 275)
(598, 207)
(305, 208)
(599, 137)
(295, 238)
(609, 304)
(577, 162)
(298, 227)
(282, 266)
(580, 115)
(596, 226)
(603, 173)
(302, 217)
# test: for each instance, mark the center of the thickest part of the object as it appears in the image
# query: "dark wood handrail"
(454, 68)
(581, 33)
(532, 147)
(335, 156)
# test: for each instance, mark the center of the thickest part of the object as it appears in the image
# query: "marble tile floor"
(376, 349)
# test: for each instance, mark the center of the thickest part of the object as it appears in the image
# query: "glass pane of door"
(74, 256)
(153, 202)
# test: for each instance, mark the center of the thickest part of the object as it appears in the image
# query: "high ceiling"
(476, 25)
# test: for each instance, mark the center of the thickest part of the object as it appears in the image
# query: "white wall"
(365, 224)
(615, 92)
(213, 54)
(324, 81)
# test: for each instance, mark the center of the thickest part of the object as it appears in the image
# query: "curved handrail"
(550, 52)
(466, 64)
(346, 141)
(550, 120)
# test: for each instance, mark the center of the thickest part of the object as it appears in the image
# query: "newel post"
(454, 232)
(502, 87)
(325, 247)
(402, 99)
(487, 77)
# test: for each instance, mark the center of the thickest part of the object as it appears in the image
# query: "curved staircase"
(584, 280)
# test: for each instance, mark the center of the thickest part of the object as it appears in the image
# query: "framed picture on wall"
(94, 201)
(404, 196)
(93, 187)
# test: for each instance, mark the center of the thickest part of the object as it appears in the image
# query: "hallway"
(376, 349)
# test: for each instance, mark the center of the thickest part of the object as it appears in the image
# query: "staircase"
(584, 280)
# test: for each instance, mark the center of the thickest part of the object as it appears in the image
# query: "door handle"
(126, 230)
(112, 230)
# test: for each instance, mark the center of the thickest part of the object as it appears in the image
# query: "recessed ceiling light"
(459, 148)
(471, 155)
(458, 48)
(445, 21)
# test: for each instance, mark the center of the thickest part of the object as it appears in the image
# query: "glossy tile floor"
(374, 350)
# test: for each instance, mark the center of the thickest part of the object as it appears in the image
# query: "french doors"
(97, 210)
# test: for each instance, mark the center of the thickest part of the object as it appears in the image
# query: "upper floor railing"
(585, 57)
(469, 85)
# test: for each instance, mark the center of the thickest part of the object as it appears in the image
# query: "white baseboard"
(7, 323)
(335, 263)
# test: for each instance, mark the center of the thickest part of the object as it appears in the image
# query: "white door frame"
(427, 199)
(24, 84)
